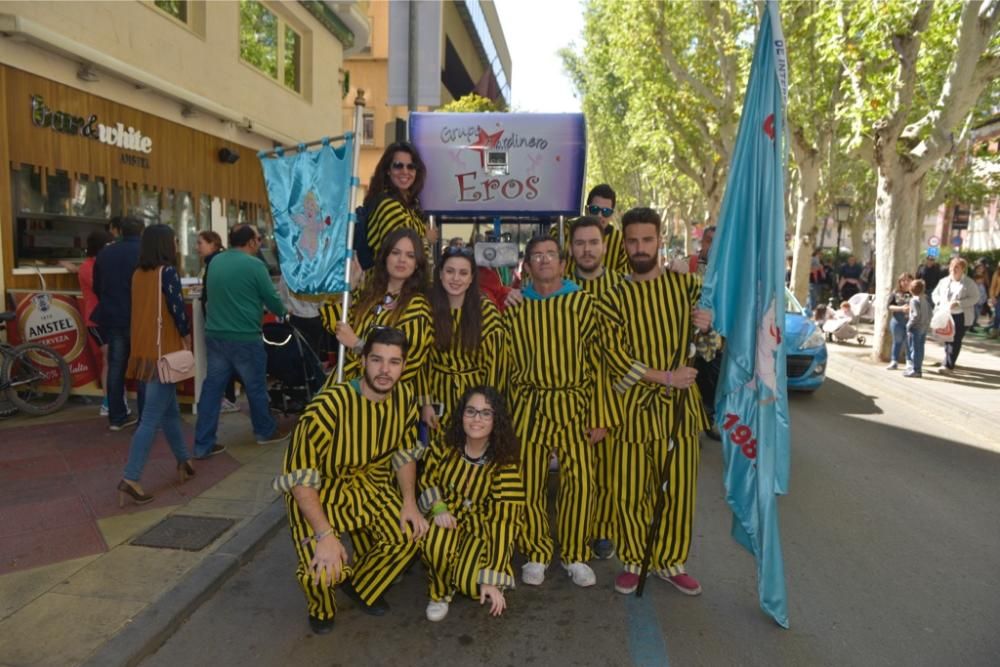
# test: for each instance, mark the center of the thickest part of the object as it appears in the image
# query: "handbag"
(172, 367)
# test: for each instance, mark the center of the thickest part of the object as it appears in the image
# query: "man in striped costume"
(652, 316)
(601, 205)
(555, 373)
(338, 477)
(587, 250)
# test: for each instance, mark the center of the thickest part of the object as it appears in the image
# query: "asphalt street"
(891, 534)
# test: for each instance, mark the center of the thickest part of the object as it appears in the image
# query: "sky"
(535, 30)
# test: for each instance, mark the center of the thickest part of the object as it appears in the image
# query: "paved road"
(891, 537)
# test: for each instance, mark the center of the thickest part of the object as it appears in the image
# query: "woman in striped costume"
(394, 297)
(472, 490)
(470, 339)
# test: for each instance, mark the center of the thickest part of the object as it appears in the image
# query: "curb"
(145, 633)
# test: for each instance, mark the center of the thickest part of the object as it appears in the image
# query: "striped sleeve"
(430, 480)
(503, 520)
(495, 348)
(307, 454)
(409, 448)
(416, 324)
(390, 215)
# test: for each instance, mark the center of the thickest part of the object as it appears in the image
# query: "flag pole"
(664, 481)
(345, 304)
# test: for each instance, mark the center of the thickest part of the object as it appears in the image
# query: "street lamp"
(842, 212)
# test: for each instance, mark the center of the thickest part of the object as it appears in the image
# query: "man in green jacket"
(240, 289)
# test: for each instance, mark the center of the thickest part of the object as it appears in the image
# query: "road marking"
(646, 643)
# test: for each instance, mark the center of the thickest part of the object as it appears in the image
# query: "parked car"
(805, 347)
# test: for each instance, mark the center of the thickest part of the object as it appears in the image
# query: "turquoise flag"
(745, 288)
(309, 193)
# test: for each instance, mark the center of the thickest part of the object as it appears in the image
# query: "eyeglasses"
(606, 212)
(453, 251)
(408, 166)
(472, 413)
(537, 257)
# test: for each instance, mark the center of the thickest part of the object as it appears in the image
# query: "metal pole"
(436, 246)
(295, 147)
(345, 303)
(411, 61)
(562, 232)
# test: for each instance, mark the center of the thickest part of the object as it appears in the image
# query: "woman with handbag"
(160, 357)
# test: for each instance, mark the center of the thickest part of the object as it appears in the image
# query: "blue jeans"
(249, 361)
(160, 411)
(119, 347)
(898, 327)
(915, 350)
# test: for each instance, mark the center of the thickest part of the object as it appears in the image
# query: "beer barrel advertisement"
(55, 320)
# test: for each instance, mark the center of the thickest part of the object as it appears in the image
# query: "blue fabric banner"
(310, 195)
(745, 288)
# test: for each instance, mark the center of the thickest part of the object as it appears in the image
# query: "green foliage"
(472, 103)
(176, 8)
(259, 37)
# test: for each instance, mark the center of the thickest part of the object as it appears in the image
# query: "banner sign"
(481, 164)
(309, 193)
(55, 320)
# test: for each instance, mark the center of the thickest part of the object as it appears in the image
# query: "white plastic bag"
(942, 325)
(941, 317)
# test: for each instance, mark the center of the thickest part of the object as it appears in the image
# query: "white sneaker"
(103, 411)
(228, 406)
(581, 574)
(892, 366)
(533, 573)
(437, 610)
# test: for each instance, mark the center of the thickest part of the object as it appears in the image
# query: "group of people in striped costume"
(588, 362)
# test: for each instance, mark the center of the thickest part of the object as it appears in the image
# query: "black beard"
(371, 385)
(642, 265)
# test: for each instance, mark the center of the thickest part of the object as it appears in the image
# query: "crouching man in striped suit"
(338, 478)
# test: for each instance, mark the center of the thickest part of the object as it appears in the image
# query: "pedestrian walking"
(159, 326)
(958, 293)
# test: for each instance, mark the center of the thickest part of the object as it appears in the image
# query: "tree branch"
(682, 75)
(907, 47)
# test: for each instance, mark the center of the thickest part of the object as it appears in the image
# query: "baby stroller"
(294, 371)
(840, 327)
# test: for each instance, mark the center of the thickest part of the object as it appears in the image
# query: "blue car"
(805, 347)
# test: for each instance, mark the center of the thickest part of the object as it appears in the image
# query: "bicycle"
(25, 368)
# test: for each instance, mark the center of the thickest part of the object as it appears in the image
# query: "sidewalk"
(70, 578)
(969, 400)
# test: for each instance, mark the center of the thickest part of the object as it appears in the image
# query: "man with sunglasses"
(601, 205)
(556, 376)
(351, 468)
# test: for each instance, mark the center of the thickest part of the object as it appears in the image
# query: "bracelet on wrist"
(318, 536)
(438, 508)
(670, 379)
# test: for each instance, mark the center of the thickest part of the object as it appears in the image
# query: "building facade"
(154, 109)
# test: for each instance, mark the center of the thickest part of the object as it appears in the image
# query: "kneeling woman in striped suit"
(472, 489)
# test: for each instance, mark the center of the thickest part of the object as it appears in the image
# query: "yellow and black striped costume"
(487, 501)
(615, 258)
(604, 523)
(387, 216)
(415, 323)
(651, 320)
(347, 447)
(556, 391)
(450, 373)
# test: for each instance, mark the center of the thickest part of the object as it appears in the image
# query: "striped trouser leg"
(575, 505)
(389, 553)
(437, 551)
(319, 594)
(604, 492)
(674, 543)
(633, 487)
(467, 564)
(534, 539)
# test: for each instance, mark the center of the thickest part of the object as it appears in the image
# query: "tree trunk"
(896, 232)
(805, 226)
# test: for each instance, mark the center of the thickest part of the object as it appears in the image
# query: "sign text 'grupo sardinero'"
(117, 135)
(501, 163)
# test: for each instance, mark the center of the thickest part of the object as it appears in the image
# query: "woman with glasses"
(470, 340)
(393, 201)
(473, 493)
(392, 297)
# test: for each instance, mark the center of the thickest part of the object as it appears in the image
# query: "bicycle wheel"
(30, 366)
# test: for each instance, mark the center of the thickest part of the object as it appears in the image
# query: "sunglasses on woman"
(606, 212)
(408, 166)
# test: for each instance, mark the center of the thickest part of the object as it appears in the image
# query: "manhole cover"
(190, 533)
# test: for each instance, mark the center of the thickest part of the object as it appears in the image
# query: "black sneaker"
(377, 608)
(131, 421)
(603, 549)
(216, 449)
(320, 626)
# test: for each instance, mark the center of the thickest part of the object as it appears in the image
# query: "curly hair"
(503, 446)
(379, 283)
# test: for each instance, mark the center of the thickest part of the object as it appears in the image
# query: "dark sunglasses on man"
(408, 166)
(594, 210)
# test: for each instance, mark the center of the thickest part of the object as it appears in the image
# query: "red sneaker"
(626, 583)
(683, 582)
